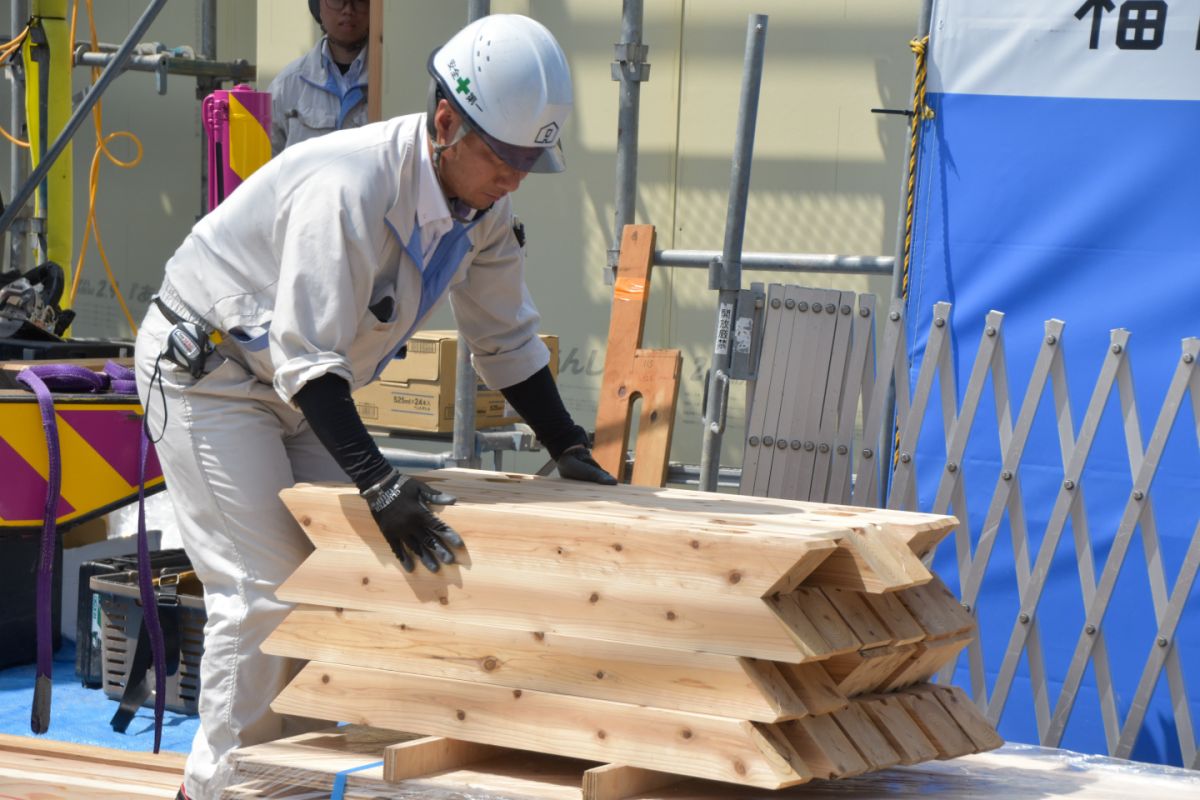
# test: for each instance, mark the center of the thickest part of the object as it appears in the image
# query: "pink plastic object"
(237, 124)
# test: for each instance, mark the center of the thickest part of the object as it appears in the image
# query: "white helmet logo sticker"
(547, 134)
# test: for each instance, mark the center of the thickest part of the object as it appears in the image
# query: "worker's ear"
(445, 122)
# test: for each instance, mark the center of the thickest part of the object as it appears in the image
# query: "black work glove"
(577, 464)
(400, 506)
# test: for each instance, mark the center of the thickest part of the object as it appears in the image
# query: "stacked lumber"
(756, 641)
(305, 767)
(43, 769)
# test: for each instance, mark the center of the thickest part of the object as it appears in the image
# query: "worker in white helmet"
(314, 273)
(326, 88)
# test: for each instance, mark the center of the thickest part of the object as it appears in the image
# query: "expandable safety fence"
(943, 428)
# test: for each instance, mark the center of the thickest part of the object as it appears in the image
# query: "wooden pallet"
(431, 768)
(752, 641)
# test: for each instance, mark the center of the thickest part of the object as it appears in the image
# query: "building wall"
(825, 179)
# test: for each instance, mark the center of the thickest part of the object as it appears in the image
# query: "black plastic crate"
(121, 619)
(89, 658)
(19, 554)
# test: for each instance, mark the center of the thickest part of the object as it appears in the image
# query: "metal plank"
(1116, 557)
(835, 386)
(857, 387)
(765, 400)
(803, 434)
(801, 353)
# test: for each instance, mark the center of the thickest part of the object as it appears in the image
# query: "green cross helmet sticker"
(463, 84)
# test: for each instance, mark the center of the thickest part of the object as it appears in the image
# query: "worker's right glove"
(400, 506)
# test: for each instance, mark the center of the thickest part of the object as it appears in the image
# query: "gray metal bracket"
(747, 333)
(629, 62)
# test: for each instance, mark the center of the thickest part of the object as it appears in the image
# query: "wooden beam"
(699, 745)
(683, 681)
(431, 754)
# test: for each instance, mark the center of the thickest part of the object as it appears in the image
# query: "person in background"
(326, 88)
(298, 289)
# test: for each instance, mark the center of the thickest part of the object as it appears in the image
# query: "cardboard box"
(416, 393)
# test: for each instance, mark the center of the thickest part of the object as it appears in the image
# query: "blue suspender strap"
(339, 780)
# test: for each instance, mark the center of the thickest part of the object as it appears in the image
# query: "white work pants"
(229, 445)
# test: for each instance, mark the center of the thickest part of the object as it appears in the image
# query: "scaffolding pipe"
(781, 262)
(629, 68)
(18, 243)
(887, 446)
(240, 70)
(465, 451)
(84, 108)
(725, 274)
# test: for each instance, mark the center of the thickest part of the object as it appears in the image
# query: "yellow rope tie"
(921, 111)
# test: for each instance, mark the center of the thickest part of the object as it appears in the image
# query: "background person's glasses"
(338, 5)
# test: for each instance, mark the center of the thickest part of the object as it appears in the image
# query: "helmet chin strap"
(459, 210)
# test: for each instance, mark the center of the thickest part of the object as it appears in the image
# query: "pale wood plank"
(936, 723)
(871, 559)
(852, 608)
(824, 747)
(929, 659)
(711, 747)
(868, 669)
(815, 606)
(898, 727)
(866, 737)
(814, 686)
(680, 680)
(616, 782)
(937, 610)
(633, 373)
(900, 623)
(478, 594)
(966, 714)
(430, 754)
(702, 552)
(914, 528)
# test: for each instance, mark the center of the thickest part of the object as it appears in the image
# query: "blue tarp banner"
(1059, 177)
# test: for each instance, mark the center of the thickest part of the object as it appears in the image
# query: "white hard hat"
(508, 77)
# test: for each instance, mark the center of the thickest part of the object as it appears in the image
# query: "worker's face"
(470, 170)
(346, 21)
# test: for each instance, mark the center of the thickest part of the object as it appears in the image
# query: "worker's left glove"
(577, 464)
(400, 506)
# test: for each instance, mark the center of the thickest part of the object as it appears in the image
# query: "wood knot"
(460, 714)
(541, 637)
(671, 616)
(325, 678)
(444, 600)
(739, 767)
(599, 674)
(306, 520)
(490, 663)
(686, 733)
(365, 580)
(618, 547)
(517, 694)
(735, 577)
(695, 544)
(601, 734)
(595, 598)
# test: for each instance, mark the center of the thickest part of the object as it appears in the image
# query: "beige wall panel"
(143, 212)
